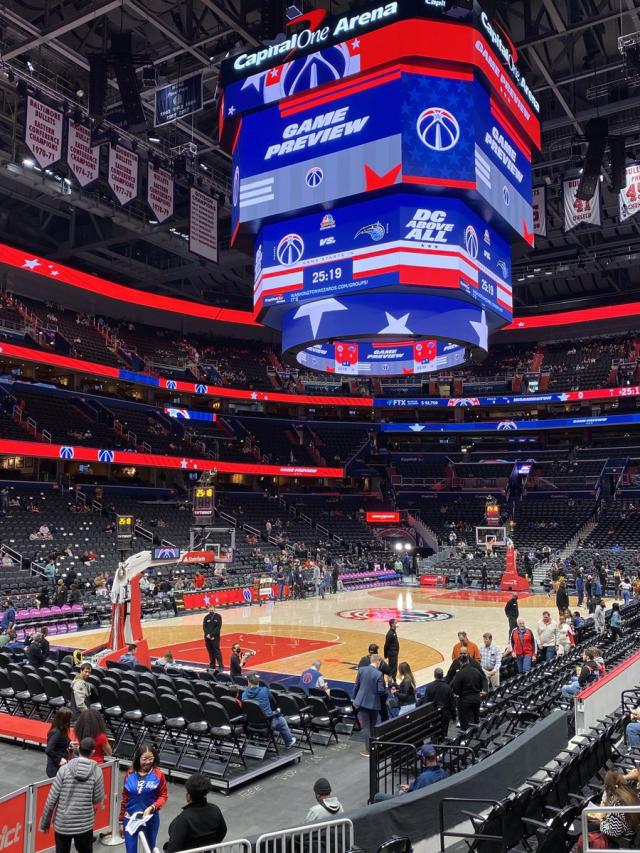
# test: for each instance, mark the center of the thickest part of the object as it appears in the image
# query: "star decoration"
(355, 43)
(274, 73)
(183, 463)
(316, 310)
(254, 396)
(482, 330)
(255, 80)
(396, 325)
(231, 111)
(54, 273)
(32, 264)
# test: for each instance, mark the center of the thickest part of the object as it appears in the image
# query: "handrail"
(584, 821)
(332, 836)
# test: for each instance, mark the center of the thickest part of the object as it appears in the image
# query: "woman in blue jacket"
(144, 791)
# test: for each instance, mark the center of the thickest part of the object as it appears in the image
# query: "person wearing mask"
(465, 646)
(430, 773)
(80, 692)
(523, 645)
(490, 661)
(614, 830)
(144, 791)
(327, 807)
(91, 724)
(35, 651)
(128, 659)
(200, 823)
(469, 685)
(599, 620)
(76, 792)
(58, 741)
(312, 677)
(237, 660)
(547, 637)
(261, 695)
(439, 692)
(212, 627)
(8, 620)
(512, 611)
(589, 673)
(392, 647)
(367, 695)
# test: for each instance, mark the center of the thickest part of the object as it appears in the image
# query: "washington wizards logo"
(471, 241)
(438, 129)
(290, 249)
(314, 177)
(383, 614)
(66, 452)
(236, 187)
(506, 196)
(318, 68)
(507, 425)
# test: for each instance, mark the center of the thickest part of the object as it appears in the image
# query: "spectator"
(9, 640)
(326, 807)
(8, 617)
(275, 719)
(91, 724)
(199, 580)
(523, 645)
(392, 647)
(431, 772)
(599, 620)
(465, 646)
(615, 623)
(490, 661)
(168, 663)
(200, 823)
(237, 660)
(80, 692)
(615, 830)
(547, 637)
(580, 586)
(58, 741)
(35, 652)
(312, 677)
(626, 589)
(469, 685)
(128, 659)
(440, 693)
(367, 694)
(144, 791)
(562, 598)
(633, 728)
(76, 792)
(589, 673)
(406, 692)
(75, 596)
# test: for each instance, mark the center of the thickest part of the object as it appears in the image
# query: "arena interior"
(319, 426)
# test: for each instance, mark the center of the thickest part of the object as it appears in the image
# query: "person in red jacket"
(523, 644)
(199, 580)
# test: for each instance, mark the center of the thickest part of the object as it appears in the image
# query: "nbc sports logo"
(105, 456)
(290, 249)
(66, 453)
(438, 129)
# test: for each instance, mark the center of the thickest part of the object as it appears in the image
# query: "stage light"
(596, 135)
(28, 162)
(398, 546)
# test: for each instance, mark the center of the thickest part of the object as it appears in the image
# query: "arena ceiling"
(575, 68)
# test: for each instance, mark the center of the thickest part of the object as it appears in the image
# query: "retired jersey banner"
(629, 197)
(577, 211)
(82, 157)
(539, 205)
(43, 132)
(123, 173)
(160, 192)
(203, 225)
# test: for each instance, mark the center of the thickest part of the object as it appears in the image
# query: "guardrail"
(605, 810)
(334, 836)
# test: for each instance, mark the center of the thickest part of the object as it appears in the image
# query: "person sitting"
(312, 677)
(588, 673)
(200, 823)
(168, 663)
(128, 659)
(9, 640)
(430, 773)
(35, 651)
(327, 806)
(615, 829)
(274, 718)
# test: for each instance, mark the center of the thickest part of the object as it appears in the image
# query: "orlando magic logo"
(202, 389)
(502, 266)
(314, 177)
(376, 231)
(171, 384)
(507, 425)
(290, 249)
(314, 70)
(471, 241)
(438, 129)
(236, 187)
(506, 196)
(105, 456)
(66, 453)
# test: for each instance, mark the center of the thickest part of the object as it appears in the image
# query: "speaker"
(596, 135)
(97, 85)
(122, 58)
(618, 162)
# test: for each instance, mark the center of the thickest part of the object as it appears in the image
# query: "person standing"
(599, 617)
(465, 646)
(625, 589)
(615, 622)
(80, 692)
(8, 620)
(439, 692)
(469, 685)
(512, 611)
(91, 724)
(392, 647)
(483, 577)
(312, 677)
(76, 791)
(580, 586)
(490, 660)
(58, 741)
(144, 790)
(200, 823)
(524, 646)
(335, 576)
(212, 627)
(562, 598)
(367, 695)
(547, 637)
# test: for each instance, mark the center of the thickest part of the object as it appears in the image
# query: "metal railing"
(334, 836)
(238, 845)
(604, 810)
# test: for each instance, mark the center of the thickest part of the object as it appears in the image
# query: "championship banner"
(577, 211)
(160, 192)
(203, 225)
(539, 204)
(82, 157)
(43, 132)
(123, 173)
(178, 100)
(629, 197)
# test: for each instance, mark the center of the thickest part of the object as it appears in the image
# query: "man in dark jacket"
(469, 684)
(512, 612)
(35, 652)
(212, 627)
(441, 695)
(367, 695)
(392, 647)
(562, 598)
(200, 823)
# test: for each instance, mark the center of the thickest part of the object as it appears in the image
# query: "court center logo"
(471, 241)
(438, 129)
(290, 249)
(383, 614)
